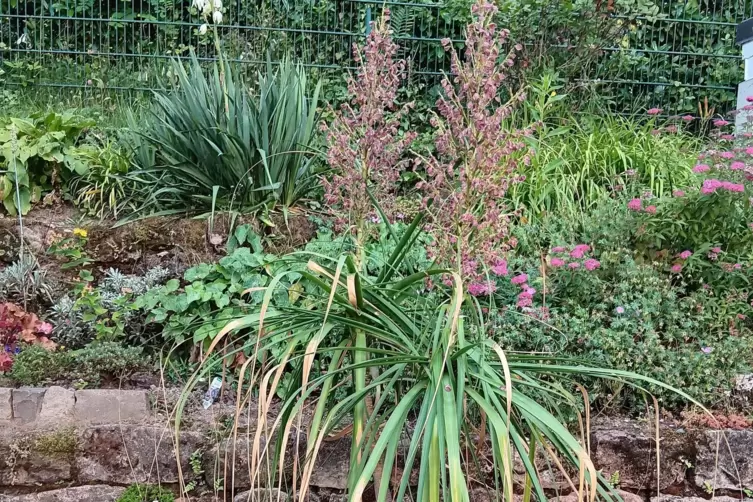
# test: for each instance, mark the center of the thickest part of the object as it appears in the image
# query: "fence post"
(368, 21)
(744, 37)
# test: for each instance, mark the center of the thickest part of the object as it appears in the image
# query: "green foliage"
(211, 295)
(632, 316)
(71, 250)
(104, 190)
(582, 160)
(25, 281)
(88, 366)
(215, 145)
(38, 153)
(105, 311)
(146, 493)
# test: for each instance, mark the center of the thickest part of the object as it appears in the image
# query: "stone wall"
(61, 445)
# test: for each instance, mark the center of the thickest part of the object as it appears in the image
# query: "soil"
(174, 243)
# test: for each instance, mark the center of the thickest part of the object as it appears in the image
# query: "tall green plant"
(216, 145)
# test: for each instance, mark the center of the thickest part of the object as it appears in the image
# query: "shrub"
(105, 190)
(39, 153)
(632, 316)
(88, 366)
(146, 493)
(239, 152)
(25, 281)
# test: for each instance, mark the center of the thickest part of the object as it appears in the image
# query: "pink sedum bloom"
(685, 254)
(720, 123)
(557, 262)
(737, 165)
(701, 168)
(519, 279)
(676, 268)
(591, 264)
(635, 205)
(574, 265)
(727, 155)
(688, 118)
(651, 209)
(678, 193)
(654, 111)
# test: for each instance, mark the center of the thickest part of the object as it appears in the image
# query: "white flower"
(217, 17)
(200, 4)
(217, 4)
(203, 29)
(23, 39)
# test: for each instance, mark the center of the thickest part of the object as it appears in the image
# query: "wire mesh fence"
(632, 53)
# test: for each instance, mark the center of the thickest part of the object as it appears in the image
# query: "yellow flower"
(80, 232)
(554, 93)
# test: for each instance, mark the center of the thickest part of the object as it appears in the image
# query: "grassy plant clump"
(211, 143)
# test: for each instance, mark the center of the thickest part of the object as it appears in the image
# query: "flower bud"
(217, 17)
(203, 29)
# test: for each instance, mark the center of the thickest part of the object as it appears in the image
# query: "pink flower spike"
(557, 262)
(720, 123)
(519, 279)
(654, 111)
(676, 268)
(591, 264)
(500, 268)
(635, 205)
(737, 165)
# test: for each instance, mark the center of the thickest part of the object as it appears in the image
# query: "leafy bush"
(634, 317)
(104, 189)
(18, 327)
(87, 366)
(146, 493)
(216, 145)
(39, 152)
(24, 281)
(106, 311)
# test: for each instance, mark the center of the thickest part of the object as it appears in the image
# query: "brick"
(57, 406)
(107, 407)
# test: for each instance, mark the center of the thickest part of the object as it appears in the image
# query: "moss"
(59, 443)
(146, 493)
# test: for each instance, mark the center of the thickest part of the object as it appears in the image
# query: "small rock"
(262, 495)
(744, 383)
(27, 403)
(107, 407)
(94, 493)
(724, 459)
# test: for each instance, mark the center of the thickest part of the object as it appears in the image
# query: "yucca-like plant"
(415, 376)
(216, 144)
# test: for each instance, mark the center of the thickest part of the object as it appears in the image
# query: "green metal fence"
(633, 53)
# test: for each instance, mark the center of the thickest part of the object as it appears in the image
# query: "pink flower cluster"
(525, 297)
(365, 149)
(637, 206)
(712, 185)
(477, 156)
(577, 253)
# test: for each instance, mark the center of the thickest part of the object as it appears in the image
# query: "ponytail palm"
(399, 358)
